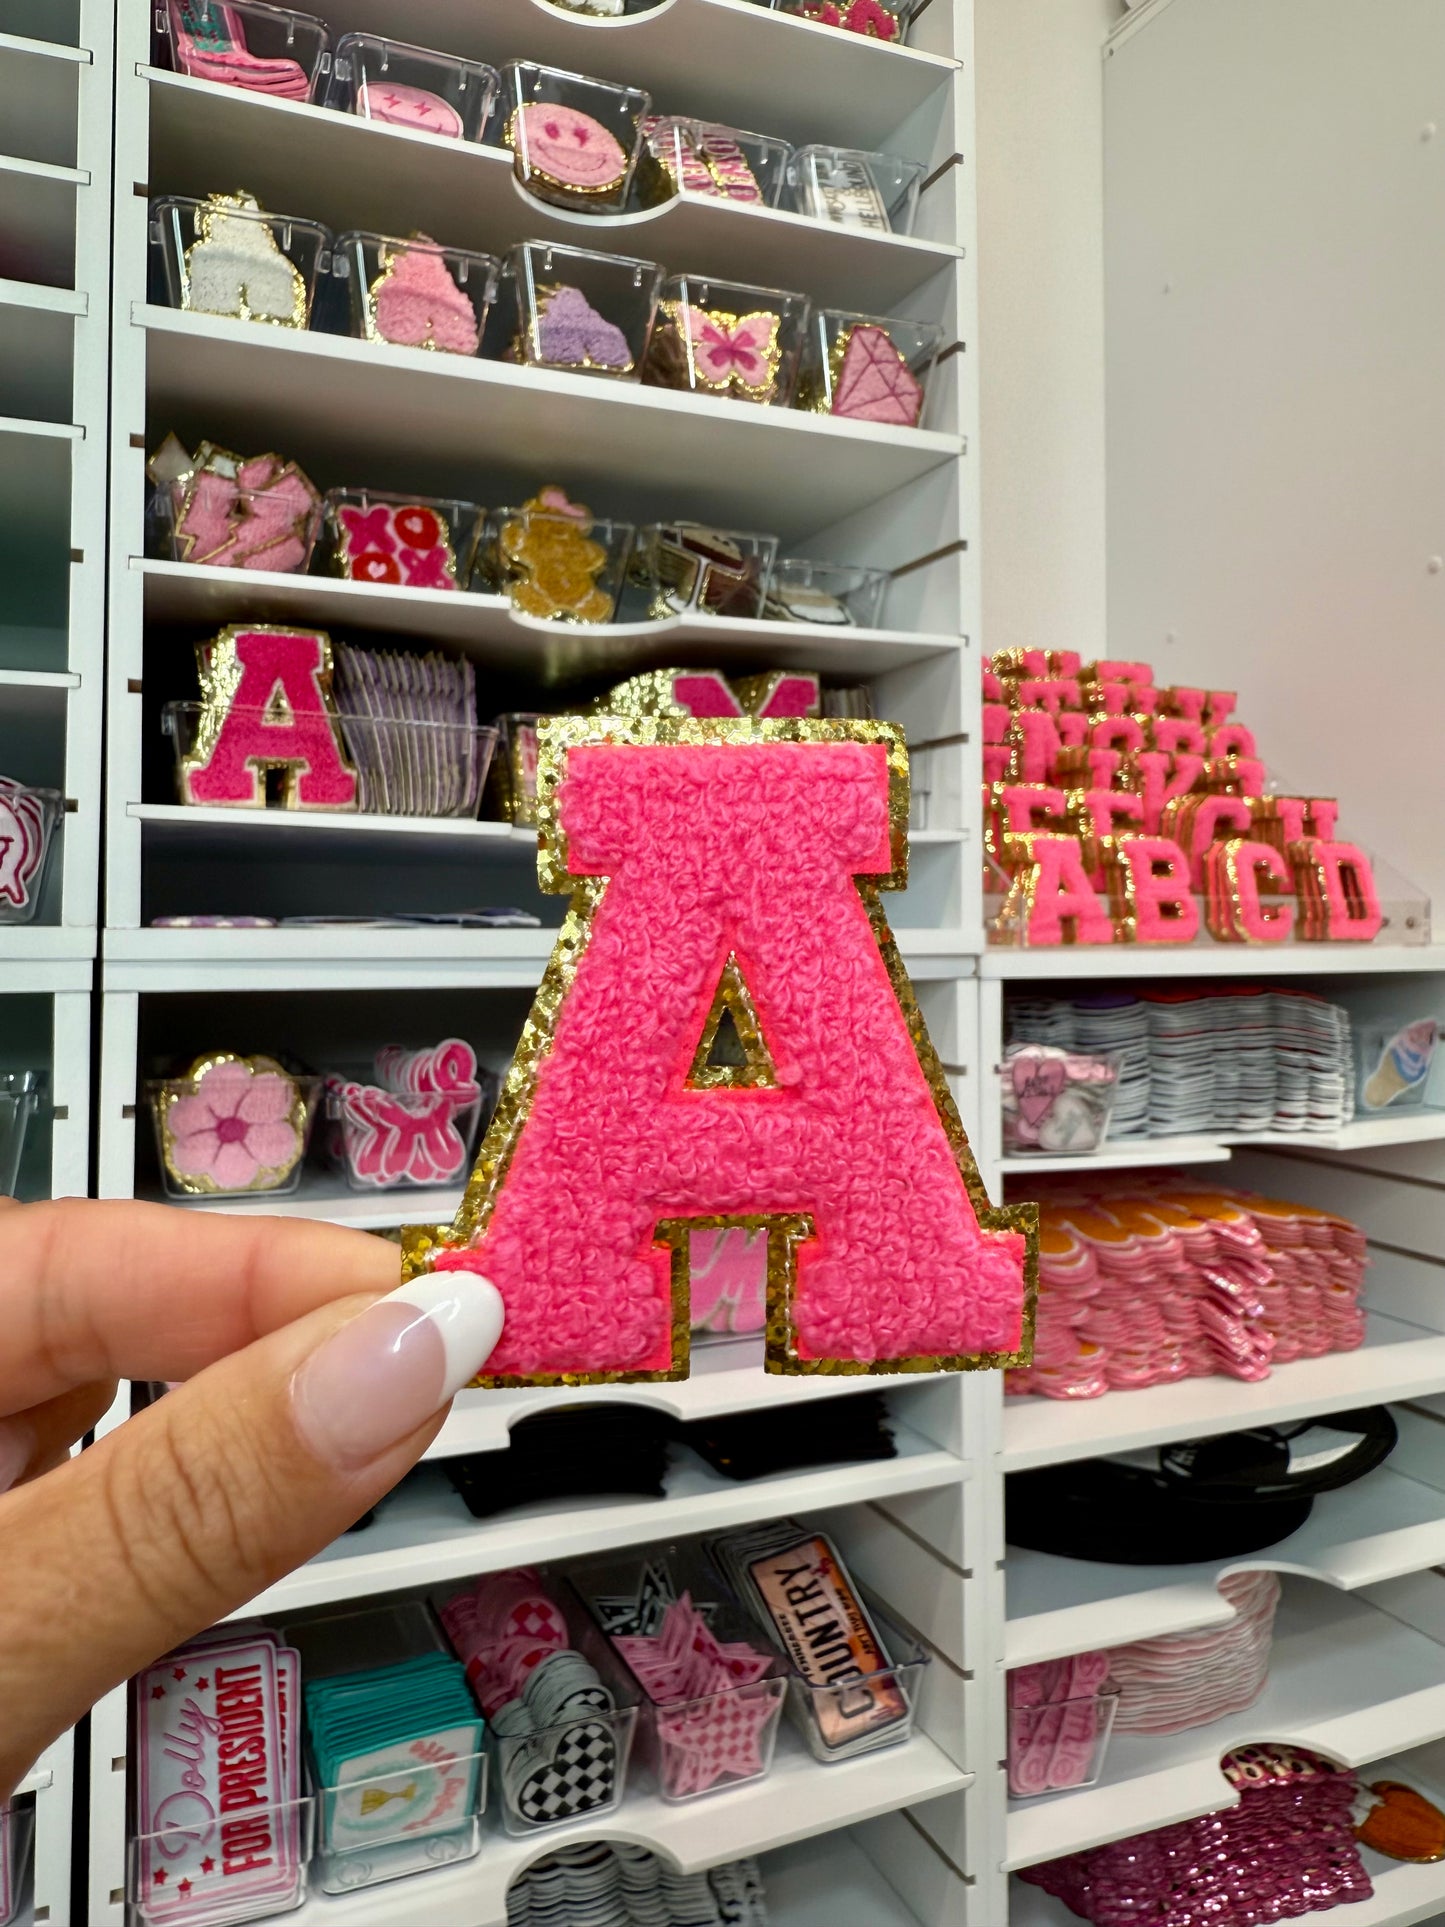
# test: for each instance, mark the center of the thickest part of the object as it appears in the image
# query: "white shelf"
(1125, 1154)
(309, 958)
(1396, 1361)
(363, 174)
(40, 431)
(358, 411)
(486, 626)
(13, 680)
(36, 298)
(1345, 1679)
(1078, 963)
(1381, 1527)
(751, 74)
(204, 830)
(1411, 1126)
(423, 1535)
(44, 943)
(798, 1799)
(726, 1376)
(35, 694)
(1414, 1126)
(326, 1199)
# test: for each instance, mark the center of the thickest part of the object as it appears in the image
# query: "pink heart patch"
(1037, 1082)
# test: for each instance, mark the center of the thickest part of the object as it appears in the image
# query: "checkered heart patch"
(580, 1776)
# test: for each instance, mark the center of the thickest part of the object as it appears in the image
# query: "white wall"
(1275, 256)
(1041, 321)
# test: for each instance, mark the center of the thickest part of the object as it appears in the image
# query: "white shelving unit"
(349, 412)
(56, 99)
(1218, 332)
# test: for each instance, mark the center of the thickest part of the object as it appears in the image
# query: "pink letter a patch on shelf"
(267, 705)
(731, 867)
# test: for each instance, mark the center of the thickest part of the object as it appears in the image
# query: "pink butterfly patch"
(734, 353)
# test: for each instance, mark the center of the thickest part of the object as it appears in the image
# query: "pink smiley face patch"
(414, 107)
(567, 146)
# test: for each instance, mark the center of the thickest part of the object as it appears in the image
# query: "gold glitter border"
(556, 737)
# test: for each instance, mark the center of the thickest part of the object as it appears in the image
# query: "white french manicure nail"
(380, 1377)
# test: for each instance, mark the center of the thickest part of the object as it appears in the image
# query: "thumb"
(191, 1508)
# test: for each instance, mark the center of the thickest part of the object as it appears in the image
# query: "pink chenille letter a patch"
(726, 1035)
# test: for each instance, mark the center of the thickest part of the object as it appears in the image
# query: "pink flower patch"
(235, 1132)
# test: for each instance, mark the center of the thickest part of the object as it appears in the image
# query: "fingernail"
(17, 1443)
(380, 1377)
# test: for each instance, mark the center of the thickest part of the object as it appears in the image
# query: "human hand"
(308, 1395)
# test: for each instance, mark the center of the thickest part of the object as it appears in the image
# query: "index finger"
(94, 1290)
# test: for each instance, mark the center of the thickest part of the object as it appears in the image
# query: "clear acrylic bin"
(865, 1713)
(241, 43)
(574, 140)
(406, 541)
(224, 1131)
(852, 187)
(1393, 1063)
(721, 163)
(572, 309)
(834, 595)
(29, 819)
(1057, 1101)
(228, 256)
(853, 1670)
(575, 1767)
(726, 339)
(886, 20)
(212, 522)
(20, 1097)
(17, 1830)
(411, 87)
(691, 1745)
(415, 293)
(422, 1808)
(1059, 1744)
(232, 1868)
(685, 568)
(551, 565)
(403, 767)
(867, 368)
(423, 1814)
(399, 1140)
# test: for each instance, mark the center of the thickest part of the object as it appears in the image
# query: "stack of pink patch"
(1318, 1264)
(720, 1704)
(502, 1630)
(1145, 1285)
(1188, 1679)
(1058, 1723)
